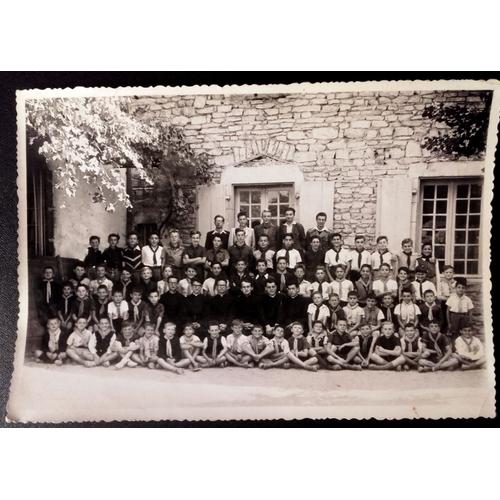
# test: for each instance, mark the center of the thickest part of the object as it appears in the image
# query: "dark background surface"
(12, 81)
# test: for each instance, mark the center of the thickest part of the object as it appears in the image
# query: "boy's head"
(195, 238)
(154, 297)
(188, 330)
(67, 289)
(126, 276)
(460, 286)
(266, 216)
(132, 239)
(240, 236)
(213, 329)
(300, 271)
(240, 266)
(246, 287)
(79, 270)
(410, 331)
(336, 240)
(53, 324)
(271, 287)
(82, 291)
(365, 330)
(382, 242)
(403, 273)
(104, 326)
(420, 273)
(317, 327)
(288, 241)
(317, 298)
(81, 323)
(341, 325)
(448, 272)
(281, 264)
(261, 266)
(100, 271)
(279, 331)
(371, 300)
(236, 326)
(242, 219)
(297, 329)
(387, 299)
(320, 220)
(407, 245)
(217, 242)
(263, 241)
(190, 272)
(216, 269)
(340, 272)
(221, 286)
(467, 331)
(257, 331)
(172, 283)
(94, 242)
(315, 243)
(146, 273)
(149, 330)
(387, 329)
(359, 242)
(136, 295)
(427, 249)
(169, 330)
(197, 285)
(289, 215)
(384, 270)
(174, 237)
(113, 240)
(366, 271)
(117, 296)
(429, 296)
(219, 222)
(167, 272)
(434, 327)
(406, 296)
(127, 330)
(154, 239)
(352, 298)
(334, 300)
(292, 289)
(48, 273)
(320, 274)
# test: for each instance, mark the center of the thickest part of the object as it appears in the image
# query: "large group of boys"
(263, 296)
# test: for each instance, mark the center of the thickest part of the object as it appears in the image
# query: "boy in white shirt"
(305, 287)
(459, 309)
(421, 285)
(238, 351)
(407, 312)
(317, 311)
(382, 255)
(336, 255)
(340, 285)
(321, 285)
(354, 314)
(358, 258)
(384, 283)
(185, 287)
(469, 350)
(191, 346)
(78, 344)
(117, 311)
(100, 280)
(291, 255)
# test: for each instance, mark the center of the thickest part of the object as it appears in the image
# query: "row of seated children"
(334, 351)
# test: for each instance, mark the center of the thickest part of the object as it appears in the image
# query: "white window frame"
(452, 183)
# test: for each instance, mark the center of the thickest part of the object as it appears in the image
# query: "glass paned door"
(254, 200)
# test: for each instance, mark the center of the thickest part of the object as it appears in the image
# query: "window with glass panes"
(254, 200)
(450, 220)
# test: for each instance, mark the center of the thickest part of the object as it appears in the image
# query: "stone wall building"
(357, 156)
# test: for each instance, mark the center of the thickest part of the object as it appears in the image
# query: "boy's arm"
(400, 321)
(353, 343)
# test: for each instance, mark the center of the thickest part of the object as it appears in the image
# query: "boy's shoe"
(151, 365)
(90, 364)
(420, 369)
(223, 364)
(58, 362)
(179, 371)
(106, 364)
(406, 368)
(131, 364)
(398, 368)
(286, 366)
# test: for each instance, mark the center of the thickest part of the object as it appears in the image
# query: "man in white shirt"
(288, 251)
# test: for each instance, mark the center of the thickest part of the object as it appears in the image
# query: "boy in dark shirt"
(271, 304)
(173, 302)
(53, 344)
(294, 308)
(64, 308)
(220, 307)
(93, 257)
(82, 305)
(247, 306)
(438, 352)
(365, 342)
(132, 256)
(112, 257)
(195, 310)
(314, 256)
(387, 353)
(170, 356)
(342, 349)
(48, 296)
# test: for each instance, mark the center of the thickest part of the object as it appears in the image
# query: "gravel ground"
(46, 393)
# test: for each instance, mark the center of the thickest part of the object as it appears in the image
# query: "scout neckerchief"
(438, 350)
(48, 290)
(408, 319)
(409, 343)
(317, 339)
(54, 340)
(168, 348)
(155, 262)
(136, 310)
(66, 303)
(337, 253)
(360, 256)
(408, 259)
(430, 316)
(381, 256)
(316, 313)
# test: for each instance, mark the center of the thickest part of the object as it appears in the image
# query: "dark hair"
(445, 268)
(461, 281)
(212, 323)
(193, 233)
(315, 238)
(219, 217)
(367, 266)
(429, 291)
(420, 269)
(260, 261)
(132, 233)
(280, 258)
(288, 235)
(219, 280)
(352, 293)
(384, 264)
(271, 281)
(321, 214)
(371, 296)
(153, 291)
(382, 237)
(335, 235)
(94, 237)
(405, 269)
(317, 322)
(101, 287)
(79, 263)
(238, 231)
(136, 290)
(406, 240)
(48, 267)
(111, 235)
(359, 237)
(409, 325)
(241, 214)
(288, 209)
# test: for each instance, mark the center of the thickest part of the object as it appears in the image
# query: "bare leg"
(169, 366)
(297, 361)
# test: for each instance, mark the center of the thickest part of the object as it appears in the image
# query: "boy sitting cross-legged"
(318, 341)
(170, 355)
(342, 348)
(148, 347)
(387, 353)
(299, 353)
(366, 339)
(125, 346)
(260, 346)
(101, 343)
(53, 344)
(78, 344)
(411, 346)
(191, 346)
(438, 352)
(215, 346)
(278, 358)
(238, 350)
(469, 350)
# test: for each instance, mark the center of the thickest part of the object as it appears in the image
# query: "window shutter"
(212, 201)
(315, 196)
(394, 206)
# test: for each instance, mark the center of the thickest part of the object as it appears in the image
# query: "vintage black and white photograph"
(255, 252)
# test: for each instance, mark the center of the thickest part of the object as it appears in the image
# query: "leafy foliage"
(466, 132)
(95, 138)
